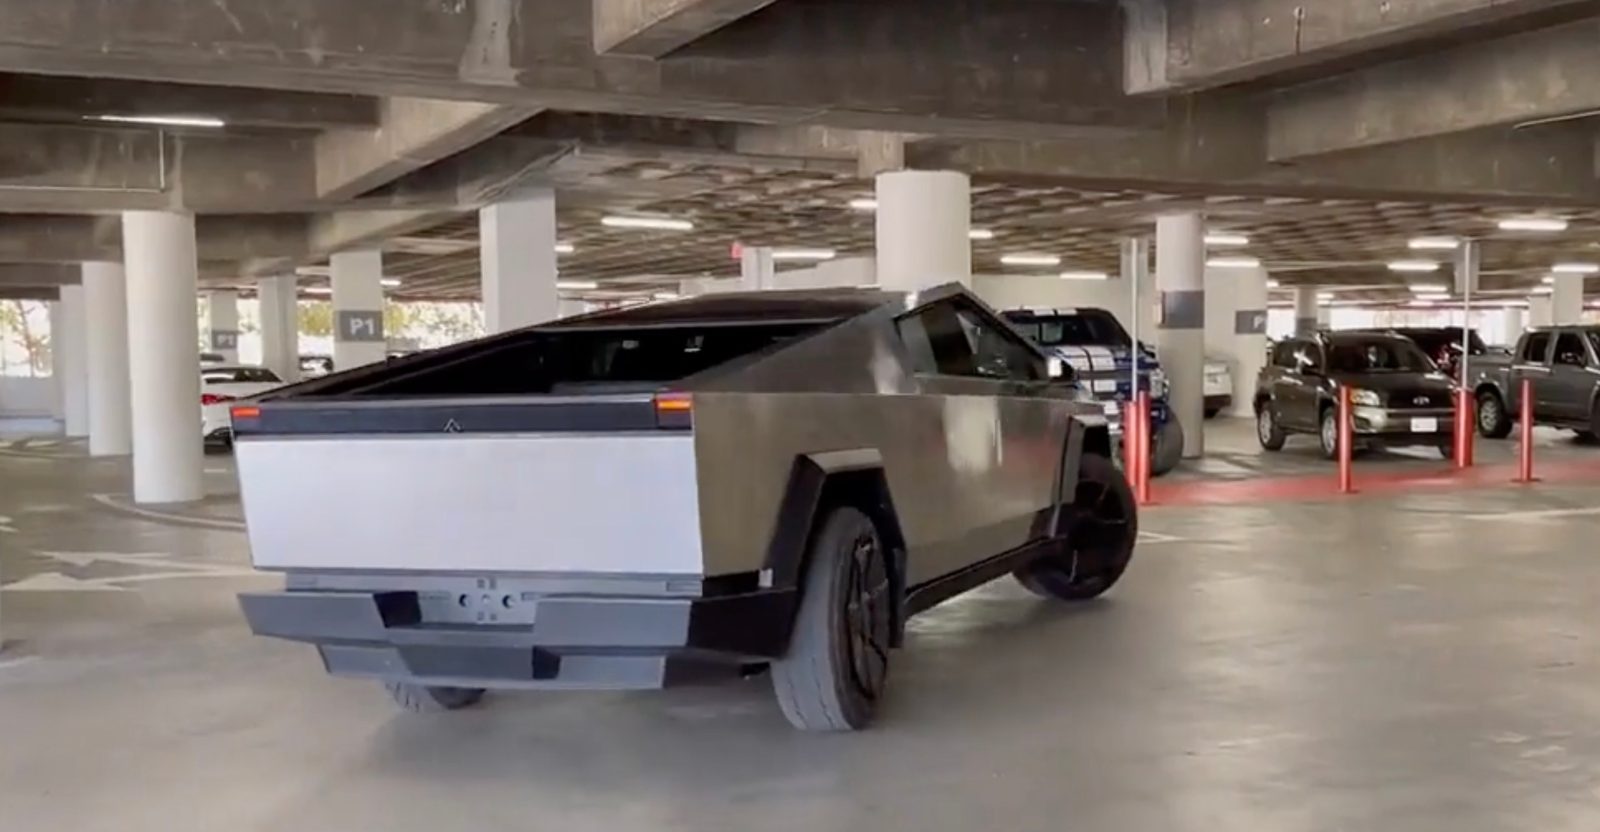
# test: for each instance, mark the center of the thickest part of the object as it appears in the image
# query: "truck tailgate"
(563, 501)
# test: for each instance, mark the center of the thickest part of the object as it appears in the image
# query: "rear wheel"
(1268, 432)
(423, 699)
(833, 674)
(1095, 539)
(1168, 450)
(1493, 420)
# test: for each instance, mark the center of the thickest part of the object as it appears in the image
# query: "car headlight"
(1366, 398)
(1158, 384)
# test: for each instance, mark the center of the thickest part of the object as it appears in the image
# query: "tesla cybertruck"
(667, 493)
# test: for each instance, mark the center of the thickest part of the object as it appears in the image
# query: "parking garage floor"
(1417, 659)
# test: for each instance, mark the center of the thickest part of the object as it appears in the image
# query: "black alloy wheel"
(1095, 539)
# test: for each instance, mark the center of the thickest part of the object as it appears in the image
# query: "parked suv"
(1563, 365)
(1398, 395)
(1100, 353)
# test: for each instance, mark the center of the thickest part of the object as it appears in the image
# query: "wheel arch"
(818, 483)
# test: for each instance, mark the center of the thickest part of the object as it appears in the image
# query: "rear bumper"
(542, 641)
(1219, 401)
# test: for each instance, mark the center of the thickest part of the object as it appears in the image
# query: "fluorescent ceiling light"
(1548, 279)
(318, 290)
(390, 282)
(1413, 266)
(1226, 238)
(1428, 288)
(313, 271)
(1031, 260)
(651, 223)
(1543, 290)
(1432, 296)
(1272, 284)
(1324, 296)
(803, 254)
(1533, 224)
(980, 234)
(1576, 268)
(577, 285)
(161, 121)
(1433, 244)
(1085, 275)
(864, 204)
(1421, 304)
(665, 295)
(1234, 262)
(564, 248)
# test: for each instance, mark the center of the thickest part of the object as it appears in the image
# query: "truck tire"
(1094, 550)
(1268, 432)
(833, 674)
(1493, 420)
(1168, 450)
(422, 699)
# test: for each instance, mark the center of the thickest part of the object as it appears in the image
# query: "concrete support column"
(518, 251)
(1515, 321)
(1540, 311)
(280, 326)
(105, 304)
(1180, 279)
(756, 269)
(222, 324)
(58, 406)
(1236, 328)
(923, 222)
(72, 362)
(1566, 299)
(163, 355)
(1135, 268)
(358, 336)
(1306, 315)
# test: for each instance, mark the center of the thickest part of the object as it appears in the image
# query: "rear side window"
(1535, 348)
(1283, 355)
(1570, 351)
(1090, 327)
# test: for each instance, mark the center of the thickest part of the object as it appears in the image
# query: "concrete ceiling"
(1328, 133)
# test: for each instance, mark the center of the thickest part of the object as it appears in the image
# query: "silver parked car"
(656, 495)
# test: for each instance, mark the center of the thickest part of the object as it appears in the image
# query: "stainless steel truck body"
(662, 493)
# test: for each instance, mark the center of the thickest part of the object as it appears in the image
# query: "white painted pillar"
(567, 308)
(58, 407)
(1540, 311)
(105, 297)
(1307, 315)
(1134, 265)
(358, 336)
(74, 362)
(1236, 328)
(222, 324)
(1566, 299)
(279, 310)
(924, 218)
(1180, 279)
(1515, 321)
(517, 246)
(756, 269)
(163, 355)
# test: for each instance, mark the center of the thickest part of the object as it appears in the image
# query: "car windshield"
(1439, 342)
(1377, 355)
(1086, 328)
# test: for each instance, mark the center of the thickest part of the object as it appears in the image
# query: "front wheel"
(1095, 538)
(1168, 450)
(423, 699)
(1268, 432)
(1493, 420)
(833, 674)
(1329, 433)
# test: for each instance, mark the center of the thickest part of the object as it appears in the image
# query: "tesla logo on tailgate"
(452, 426)
(1420, 400)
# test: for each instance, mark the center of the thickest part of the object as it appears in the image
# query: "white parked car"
(223, 386)
(1219, 386)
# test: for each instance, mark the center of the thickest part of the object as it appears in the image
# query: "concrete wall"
(27, 397)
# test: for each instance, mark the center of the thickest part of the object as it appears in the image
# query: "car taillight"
(674, 410)
(214, 398)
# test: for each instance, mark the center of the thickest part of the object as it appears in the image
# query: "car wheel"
(1268, 432)
(1168, 449)
(1493, 420)
(1447, 450)
(832, 676)
(1328, 433)
(1095, 539)
(422, 699)
(1211, 412)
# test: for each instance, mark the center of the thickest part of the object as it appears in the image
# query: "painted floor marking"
(111, 501)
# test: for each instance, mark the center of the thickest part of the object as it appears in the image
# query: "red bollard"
(1465, 425)
(1346, 438)
(1525, 433)
(1142, 490)
(1130, 442)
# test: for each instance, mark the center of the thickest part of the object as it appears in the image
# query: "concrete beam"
(1536, 75)
(1192, 44)
(43, 98)
(967, 67)
(412, 133)
(652, 28)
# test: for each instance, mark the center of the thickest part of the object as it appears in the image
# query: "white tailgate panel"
(464, 502)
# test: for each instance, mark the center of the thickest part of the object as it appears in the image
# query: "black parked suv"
(1398, 395)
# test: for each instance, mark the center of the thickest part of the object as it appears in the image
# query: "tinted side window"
(1307, 357)
(1569, 350)
(1283, 355)
(951, 340)
(1535, 347)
